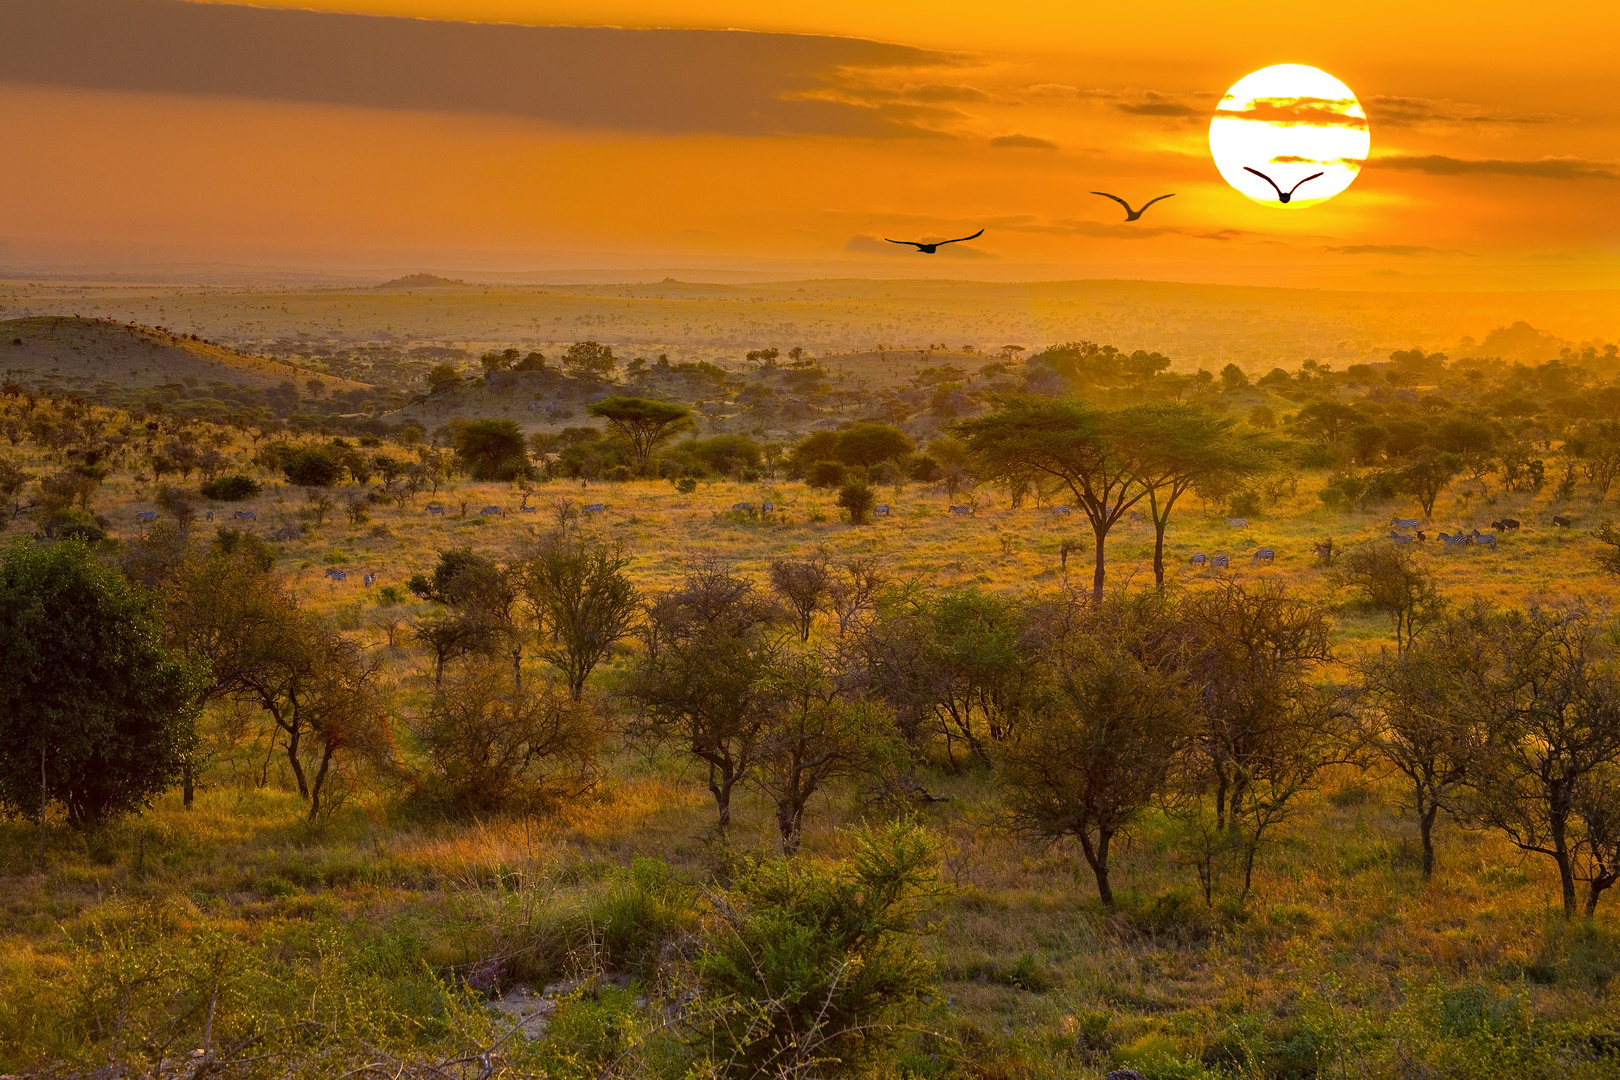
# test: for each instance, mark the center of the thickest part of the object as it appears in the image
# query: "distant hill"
(423, 281)
(63, 354)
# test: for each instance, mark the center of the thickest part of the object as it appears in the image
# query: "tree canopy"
(647, 424)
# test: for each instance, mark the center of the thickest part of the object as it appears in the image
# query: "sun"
(1289, 121)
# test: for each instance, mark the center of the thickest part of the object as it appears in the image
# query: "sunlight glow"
(1289, 121)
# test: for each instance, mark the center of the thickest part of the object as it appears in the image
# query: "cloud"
(1130, 101)
(665, 81)
(1388, 110)
(1296, 112)
(1023, 142)
(1385, 249)
(1542, 168)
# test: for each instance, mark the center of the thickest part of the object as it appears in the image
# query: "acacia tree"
(1063, 442)
(1264, 731)
(1429, 714)
(803, 585)
(1390, 580)
(1102, 740)
(96, 712)
(1178, 446)
(706, 677)
(1427, 474)
(581, 601)
(647, 424)
(1557, 698)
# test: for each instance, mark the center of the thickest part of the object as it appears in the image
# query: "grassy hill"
(78, 354)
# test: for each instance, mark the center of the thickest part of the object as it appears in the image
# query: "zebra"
(435, 508)
(1400, 538)
(882, 510)
(1221, 562)
(146, 516)
(1136, 517)
(1060, 510)
(961, 509)
(369, 579)
(596, 508)
(766, 508)
(1483, 539)
(209, 516)
(247, 515)
(1460, 540)
(490, 511)
(1265, 555)
(744, 508)
(528, 509)
(1200, 559)
(336, 575)
(1238, 523)
(1405, 523)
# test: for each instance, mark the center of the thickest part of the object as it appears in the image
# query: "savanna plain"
(807, 679)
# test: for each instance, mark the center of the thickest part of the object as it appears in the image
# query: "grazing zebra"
(882, 510)
(1400, 538)
(246, 515)
(336, 574)
(1060, 509)
(744, 507)
(1484, 539)
(527, 509)
(435, 508)
(146, 516)
(489, 511)
(1238, 523)
(1136, 516)
(1562, 522)
(369, 580)
(1220, 561)
(766, 508)
(596, 508)
(1405, 523)
(1324, 551)
(961, 509)
(1200, 559)
(209, 516)
(1460, 540)
(1265, 555)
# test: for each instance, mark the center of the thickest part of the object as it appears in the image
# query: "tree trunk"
(1097, 859)
(1097, 575)
(188, 784)
(1566, 865)
(1158, 552)
(320, 782)
(293, 739)
(721, 781)
(790, 822)
(1426, 831)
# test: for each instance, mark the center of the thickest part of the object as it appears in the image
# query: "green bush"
(313, 466)
(825, 474)
(231, 488)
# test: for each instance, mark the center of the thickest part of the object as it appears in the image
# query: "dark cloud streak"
(1544, 168)
(659, 81)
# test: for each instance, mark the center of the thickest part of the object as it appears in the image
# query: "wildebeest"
(209, 516)
(489, 511)
(435, 508)
(1505, 524)
(1220, 561)
(1200, 559)
(1562, 522)
(961, 509)
(882, 509)
(595, 508)
(1405, 523)
(1264, 555)
(1238, 523)
(336, 574)
(246, 515)
(147, 515)
(369, 579)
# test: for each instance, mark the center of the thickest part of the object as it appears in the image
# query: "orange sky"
(153, 131)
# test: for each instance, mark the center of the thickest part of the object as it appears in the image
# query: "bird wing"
(959, 239)
(913, 243)
(1119, 200)
(1266, 178)
(1150, 202)
(1295, 188)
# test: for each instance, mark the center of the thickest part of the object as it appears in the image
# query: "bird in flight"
(929, 249)
(1282, 196)
(1132, 215)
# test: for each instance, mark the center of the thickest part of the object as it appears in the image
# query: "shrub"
(825, 474)
(857, 499)
(491, 449)
(313, 466)
(686, 485)
(231, 488)
(1245, 503)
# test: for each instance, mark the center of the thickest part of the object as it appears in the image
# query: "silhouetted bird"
(929, 249)
(1282, 196)
(1132, 215)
